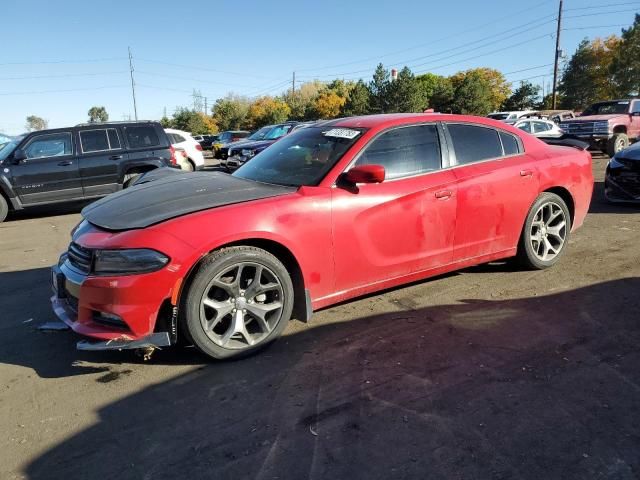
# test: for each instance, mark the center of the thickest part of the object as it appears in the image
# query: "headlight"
(248, 152)
(135, 260)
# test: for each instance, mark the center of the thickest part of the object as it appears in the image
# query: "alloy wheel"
(548, 231)
(241, 305)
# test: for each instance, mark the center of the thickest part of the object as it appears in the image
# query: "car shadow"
(48, 210)
(540, 387)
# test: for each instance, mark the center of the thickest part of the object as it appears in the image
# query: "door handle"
(115, 157)
(443, 194)
(66, 163)
(526, 173)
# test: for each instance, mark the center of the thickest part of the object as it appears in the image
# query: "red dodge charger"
(333, 211)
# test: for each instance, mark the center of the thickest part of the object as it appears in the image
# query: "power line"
(206, 69)
(591, 7)
(191, 79)
(589, 27)
(51, 62)
(35, 92)
(63, 75)
(601, 13)
(438, 40)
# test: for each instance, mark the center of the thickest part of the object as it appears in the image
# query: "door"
(102, 154)
(497, 183)
(634, 128)
(402, 225)
(50, 171)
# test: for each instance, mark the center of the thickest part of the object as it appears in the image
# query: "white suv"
(192, 148)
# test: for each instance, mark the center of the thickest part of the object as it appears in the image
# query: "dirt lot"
(490, 373)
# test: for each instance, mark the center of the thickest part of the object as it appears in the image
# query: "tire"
(191, 167)
(544, 236)
(4, 209)
(619, 141)
(130, 179)
(227, 318)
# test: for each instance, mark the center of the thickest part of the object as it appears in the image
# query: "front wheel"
(240, 300)
(545, 233)
(4, 209)
(618, 142)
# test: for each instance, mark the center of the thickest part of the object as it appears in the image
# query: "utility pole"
(205, 106)
(557, 58)
(293, 90)
(133, 85)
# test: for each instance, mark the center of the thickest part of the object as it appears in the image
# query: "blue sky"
(60, 58)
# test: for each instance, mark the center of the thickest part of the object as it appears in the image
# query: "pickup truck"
(608, 126)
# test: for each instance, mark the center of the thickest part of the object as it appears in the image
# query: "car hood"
(167, 193)
(233, 144)
(596, 118)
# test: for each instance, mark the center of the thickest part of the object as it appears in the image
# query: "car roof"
(391, 119)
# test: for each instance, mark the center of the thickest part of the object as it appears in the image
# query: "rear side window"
(474, 144)
(143, 136)
(99, 140)
(510, 144)
(540, 127)
(404, 151)
(49, 145)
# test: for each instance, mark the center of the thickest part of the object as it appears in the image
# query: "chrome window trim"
(106, 130)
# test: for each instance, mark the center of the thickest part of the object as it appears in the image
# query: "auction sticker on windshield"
(342, 133)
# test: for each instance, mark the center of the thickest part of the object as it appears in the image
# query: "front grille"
(79, 257)
(224, 153)
(585, 128)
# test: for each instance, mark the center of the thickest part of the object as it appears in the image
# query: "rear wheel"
(129, 179)
(545, 233)
(240, 300)
(189, 166)
(4, 208)
(619, 141)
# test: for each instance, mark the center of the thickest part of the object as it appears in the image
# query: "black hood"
(167, 193)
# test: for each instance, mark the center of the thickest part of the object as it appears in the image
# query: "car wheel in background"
(129, 179)
(619, 141)
(4, 208)
(189, 166)
(240, 300)
(545, 233)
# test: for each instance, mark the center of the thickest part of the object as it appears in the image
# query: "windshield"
(260, 134)
(302, 158)
(498, 116)
(277, 132)
(7, 147)
(607, 108)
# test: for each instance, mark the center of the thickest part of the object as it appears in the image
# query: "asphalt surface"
(488, 373)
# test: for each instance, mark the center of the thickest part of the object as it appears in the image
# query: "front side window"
(50, 145)
(99, 140)
(473, 143)
(302, 158)
(140, 137)
(404, 151)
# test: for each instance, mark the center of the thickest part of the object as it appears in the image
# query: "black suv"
(76, 163)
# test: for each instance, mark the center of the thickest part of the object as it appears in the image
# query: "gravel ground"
(488, 373)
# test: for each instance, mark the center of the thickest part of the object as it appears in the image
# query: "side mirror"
(635, 114)
(365, 174)
(19, 156)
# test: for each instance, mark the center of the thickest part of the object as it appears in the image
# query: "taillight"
(173, 159)
(198, 147)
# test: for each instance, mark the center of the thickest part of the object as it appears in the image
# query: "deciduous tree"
(98, 114)
(525, 97)
(36, 123)
(230, 112)
(625, 65)
(267, 110)
(328, 104)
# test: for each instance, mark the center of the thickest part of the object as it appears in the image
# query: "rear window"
(143, 136)
(473, 143)
(510, 143)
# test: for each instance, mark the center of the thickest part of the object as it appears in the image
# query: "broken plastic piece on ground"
(158, 339)
(53, 326)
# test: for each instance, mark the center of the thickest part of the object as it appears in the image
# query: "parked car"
(81, 162)
(228, 137)
(622, 177)
(242, 153)
(4, 138)
(555, 116)
(539, 127)
(331, 212)
(205, 141)
(508, 117)
(223, 149)
(608, 126)
(184, 140)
